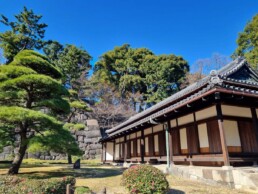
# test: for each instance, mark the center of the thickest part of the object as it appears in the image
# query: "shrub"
(144, 179)
(18, 185)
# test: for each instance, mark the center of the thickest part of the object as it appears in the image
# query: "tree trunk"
(14, 169)
(69, 159)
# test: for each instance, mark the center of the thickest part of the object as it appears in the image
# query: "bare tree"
(109, 108)
(205, 65)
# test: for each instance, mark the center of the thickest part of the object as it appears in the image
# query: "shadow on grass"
(78, 173)
(175, 191)
(8, 165)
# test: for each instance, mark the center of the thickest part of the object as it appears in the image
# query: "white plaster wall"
(133, 135)
(146, 144)
(157, 128)
(109, 151)
(132, 142)
(117, 151)
(173, 123)
(156, 143)
(147, 131)
(185, 119)
(121, 139)
(138, 146)
(183, 138)
(117, 140)
(232, 133)
(206, 113)
(236, 111)
(121, 148)
(203, 135)
(139, 134)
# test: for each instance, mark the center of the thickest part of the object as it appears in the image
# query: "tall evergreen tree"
(26, 33)
(248, 42)
(31, 95)
(74, 64)
(139, 71)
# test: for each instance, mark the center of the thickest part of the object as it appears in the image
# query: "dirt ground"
(109, 177)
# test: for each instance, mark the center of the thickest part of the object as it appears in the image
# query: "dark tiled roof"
(221, 78)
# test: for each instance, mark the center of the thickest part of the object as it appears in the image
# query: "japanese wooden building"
(211, 122)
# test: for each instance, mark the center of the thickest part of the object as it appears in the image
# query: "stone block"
(88, 140)
(32, 155)
(93, 128)
(92, 152)
(222, 176)
(99, 151)
(92, 122)
(90, 134)
(95, 146)
(53, 153)
(95, 139)
(80, 138)
(82, 145)
(47, 157)
(8, 149)
(16, 150)
(1, 156)
(207, 174)
(82, 133)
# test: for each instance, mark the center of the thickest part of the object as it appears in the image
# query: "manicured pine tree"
(31, 97)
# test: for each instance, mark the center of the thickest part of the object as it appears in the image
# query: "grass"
(97, 177)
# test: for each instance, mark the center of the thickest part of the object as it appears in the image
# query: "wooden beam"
(222, 135)
(102, 158)
(142, 146)
(105, 151)
(125, 149)
(170, 144)
(255, 122)
(114, 150)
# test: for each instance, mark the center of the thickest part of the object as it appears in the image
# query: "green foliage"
(17, 185)
(53, 50)
(6, 135)
(16, 115)
(248, 42)
(139, 70)
(37, 62)
(79, 126)
(60, 141)
(73, 62)
(30, 99)
(145, 179)
(26, 33)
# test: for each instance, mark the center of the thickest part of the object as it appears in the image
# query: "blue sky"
(193, 29)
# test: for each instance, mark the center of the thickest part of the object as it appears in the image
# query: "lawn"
(97, 177)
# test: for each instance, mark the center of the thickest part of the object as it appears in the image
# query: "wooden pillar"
(105, 151)
(222, 135)
(114, 150)
(102, 158)
(167, 143)
(125, 149)
(142, 146)
(170, 144)
(255, 122)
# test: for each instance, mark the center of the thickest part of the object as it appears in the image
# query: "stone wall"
(245, 178)
(87, 140)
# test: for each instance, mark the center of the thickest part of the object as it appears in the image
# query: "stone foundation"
(239, 178)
